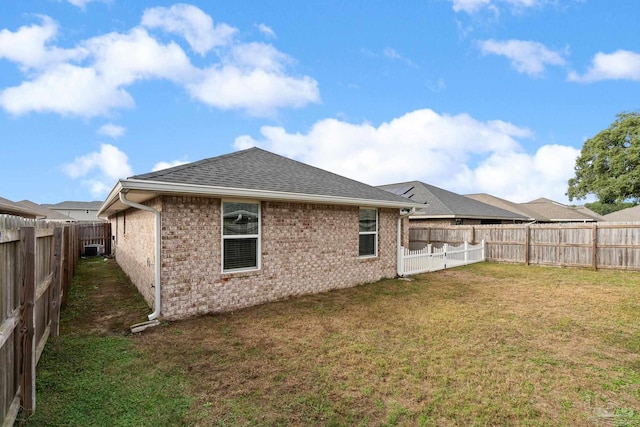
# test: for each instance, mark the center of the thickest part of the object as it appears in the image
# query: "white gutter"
(153, 316)
(399, 266)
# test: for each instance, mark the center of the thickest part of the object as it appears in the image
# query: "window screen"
(240, 235)
(368, 232)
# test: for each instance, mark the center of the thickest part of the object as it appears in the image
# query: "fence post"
(484, 255)
(445, 247)
(527, 243)
(466, 252)
(594, 246)
(66, 266)
(27, 319)
(57, 281)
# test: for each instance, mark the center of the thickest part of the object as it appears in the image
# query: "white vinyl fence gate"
(433, 259)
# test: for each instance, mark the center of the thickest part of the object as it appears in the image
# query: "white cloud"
(266, 30)
(66, 89)
(91, 79)
(164, 165)
(494, 6)
(114, 131)
(521, 177)
(470, 6)
(391, 53)
(437, 86)
(104, 167)
(191, 23)
(30, 48)
(526, 56)
(252, 77)
(121, 59)
(82, 4)
(619, 65)
(458, 153)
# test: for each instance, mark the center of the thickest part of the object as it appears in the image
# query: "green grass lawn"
(485, 345)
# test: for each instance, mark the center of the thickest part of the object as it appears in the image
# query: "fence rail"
(37, 261)
(430, 258)
(602, 245)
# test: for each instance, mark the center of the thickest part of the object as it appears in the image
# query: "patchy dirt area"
(103, 301)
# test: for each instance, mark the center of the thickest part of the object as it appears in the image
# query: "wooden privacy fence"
(430, 258)
(601, 245)
(37, 262)
(95, 235)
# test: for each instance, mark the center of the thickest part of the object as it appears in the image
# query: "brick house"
(247, 228)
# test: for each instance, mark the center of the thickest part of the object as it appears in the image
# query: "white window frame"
(257, 236)
(368, 233)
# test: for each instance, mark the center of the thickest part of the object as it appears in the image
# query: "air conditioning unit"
(93, 250)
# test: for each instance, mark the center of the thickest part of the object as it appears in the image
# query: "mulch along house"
(247, 228)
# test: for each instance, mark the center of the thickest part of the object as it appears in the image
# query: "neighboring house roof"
(441, 203)
(70, 205)
(625, 215)
(11, 208)
(46, 213)
(252, 173)
(508, 205)
(585, 210)
(557, 212)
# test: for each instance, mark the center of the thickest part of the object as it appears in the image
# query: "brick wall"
(134, 247)
(306, 248)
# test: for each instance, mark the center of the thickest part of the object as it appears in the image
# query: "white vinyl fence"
(433, 259)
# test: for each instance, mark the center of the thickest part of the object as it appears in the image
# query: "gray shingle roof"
(625, 215)
(13, 208)
(66, 205)
(441, 202)
(45, 212)
(257, 169)
(507, 205)
(558, 212)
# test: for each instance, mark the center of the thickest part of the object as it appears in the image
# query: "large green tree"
(609, 163)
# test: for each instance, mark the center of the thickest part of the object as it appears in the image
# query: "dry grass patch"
(488, 344)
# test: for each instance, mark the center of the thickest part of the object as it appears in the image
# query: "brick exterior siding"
(306, 248)
(134, 247)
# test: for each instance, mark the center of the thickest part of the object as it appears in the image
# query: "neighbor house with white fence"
(250, 227)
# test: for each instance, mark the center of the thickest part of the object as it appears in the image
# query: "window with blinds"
(240, 236)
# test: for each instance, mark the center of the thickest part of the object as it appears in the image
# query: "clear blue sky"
(492, 96)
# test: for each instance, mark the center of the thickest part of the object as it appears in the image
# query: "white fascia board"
(572, 220)
(156, 187)
(111, 198)
(426, 216)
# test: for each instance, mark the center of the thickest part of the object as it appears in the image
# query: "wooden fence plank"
(66, 267)
(27, 321)
(55, 293)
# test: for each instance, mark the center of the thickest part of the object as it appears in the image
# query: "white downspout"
(399, 265)
(153, 316)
